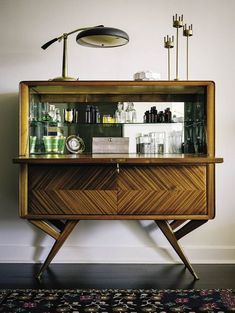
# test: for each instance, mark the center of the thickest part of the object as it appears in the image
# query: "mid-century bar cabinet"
(161, 166)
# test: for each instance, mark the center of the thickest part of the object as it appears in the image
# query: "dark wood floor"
(117, 276)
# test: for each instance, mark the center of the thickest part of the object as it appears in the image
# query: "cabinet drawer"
(162, 190)
(83, 189)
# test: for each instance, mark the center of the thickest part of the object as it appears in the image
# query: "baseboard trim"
(118, 254)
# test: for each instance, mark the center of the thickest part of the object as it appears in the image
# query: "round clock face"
(75, 144)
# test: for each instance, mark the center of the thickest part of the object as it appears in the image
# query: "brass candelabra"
(187, 32)
(178, 22)
(169, 44)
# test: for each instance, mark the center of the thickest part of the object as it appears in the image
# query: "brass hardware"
(118, 169)
(169, 44)
(187, 32)
(177, 23)
(121, 160)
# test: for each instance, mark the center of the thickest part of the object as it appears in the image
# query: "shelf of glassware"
(177, 137)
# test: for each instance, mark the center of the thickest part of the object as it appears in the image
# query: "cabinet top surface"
(119, 158)
(118, 83)
(77, 82)
(117, 87)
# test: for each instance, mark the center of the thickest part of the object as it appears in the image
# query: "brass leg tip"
(195, 276)
(39, 276)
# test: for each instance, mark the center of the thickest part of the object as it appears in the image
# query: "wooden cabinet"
(133, 191)
(174, 185)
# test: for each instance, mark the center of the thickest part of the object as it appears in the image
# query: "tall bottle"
(57, 115)
(97, 115)
(52, 112)
(88, 114)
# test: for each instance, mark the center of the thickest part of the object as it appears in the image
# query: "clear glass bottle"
(131, 116)
(58, 118)
(138, 136)
(134, 114)
(33, 111)
(88, 114)
(52, 112)
(145, 144)
(120, 116)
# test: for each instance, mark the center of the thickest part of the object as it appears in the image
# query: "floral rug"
(117, 300)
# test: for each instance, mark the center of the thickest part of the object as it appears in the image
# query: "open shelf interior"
(183, 132)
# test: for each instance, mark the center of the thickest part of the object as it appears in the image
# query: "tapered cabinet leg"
(169, 234)
(69, 226)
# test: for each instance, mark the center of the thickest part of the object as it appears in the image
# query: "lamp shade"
(102, 37)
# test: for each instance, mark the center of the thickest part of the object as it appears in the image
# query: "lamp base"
(63, 78)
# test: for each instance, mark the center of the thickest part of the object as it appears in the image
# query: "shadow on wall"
(9, 109)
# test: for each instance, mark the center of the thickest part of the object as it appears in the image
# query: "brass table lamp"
(96, 37)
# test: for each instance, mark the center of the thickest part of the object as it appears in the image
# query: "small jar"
(68, 115)
(145, 144)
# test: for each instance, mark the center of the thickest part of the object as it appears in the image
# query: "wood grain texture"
(99, 190)
(162, 190)
(67, 177)
(72, 190)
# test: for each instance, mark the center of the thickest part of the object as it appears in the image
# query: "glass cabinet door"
(153, 119)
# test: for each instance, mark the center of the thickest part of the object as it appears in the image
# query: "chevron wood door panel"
(159, 190)
(72, 190)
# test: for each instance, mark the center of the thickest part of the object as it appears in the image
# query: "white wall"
(26, 24)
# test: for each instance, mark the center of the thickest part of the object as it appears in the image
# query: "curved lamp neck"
(64, 37)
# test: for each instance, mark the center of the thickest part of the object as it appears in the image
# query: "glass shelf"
(62, 124)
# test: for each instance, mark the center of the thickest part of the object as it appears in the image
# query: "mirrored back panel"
(145, 117)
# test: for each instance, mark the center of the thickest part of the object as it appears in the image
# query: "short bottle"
(68, 115)
(146, 117)
(161, 117)
(167, 115)
(189, 146)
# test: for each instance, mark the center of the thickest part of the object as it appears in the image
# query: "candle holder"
(178, 22)
(187, 32)
(169, 44)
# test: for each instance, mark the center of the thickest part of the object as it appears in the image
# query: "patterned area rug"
(112, 300)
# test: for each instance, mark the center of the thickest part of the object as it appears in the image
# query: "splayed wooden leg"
(169, 234)
(69, 226)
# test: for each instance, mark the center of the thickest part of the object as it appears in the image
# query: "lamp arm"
(47, 44)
